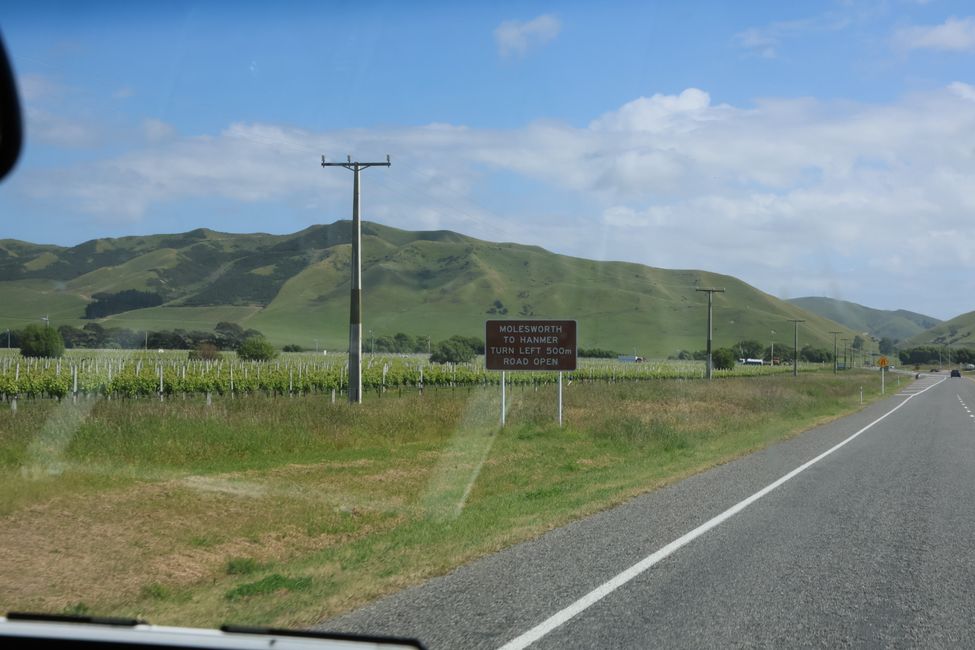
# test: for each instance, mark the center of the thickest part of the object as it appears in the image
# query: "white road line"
(608, 587)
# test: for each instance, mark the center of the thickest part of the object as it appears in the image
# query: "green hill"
(959, 331)
(898, 325)
(295, 289)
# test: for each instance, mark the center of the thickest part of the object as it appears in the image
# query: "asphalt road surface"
(867, 544)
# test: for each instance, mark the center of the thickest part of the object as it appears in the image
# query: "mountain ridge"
(295, 288)
(898, 325)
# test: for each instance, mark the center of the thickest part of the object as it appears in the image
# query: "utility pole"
(834, 333)
(771, 354)
(355, 307)
(47, 321)
(845, 366)
(795, 345)
(710, 293)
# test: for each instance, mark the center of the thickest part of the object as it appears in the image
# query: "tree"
(94, 334)
(886, 345)
(750, 349)
(453, 350)
(230, 336)
(37, 341)
(73, 337)
(404, 342)
(857, 342)
(256, 348)
(815, 355)
(723, 359)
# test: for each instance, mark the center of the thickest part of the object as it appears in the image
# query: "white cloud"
(659, 113)
(515, 38)
(760, 41)
(51, 128)
(790, 195)
(963, 90)
(764, 41)
(35, 87)
(953, 35)
(156, 130)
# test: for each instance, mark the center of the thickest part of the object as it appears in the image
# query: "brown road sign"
(530, 345)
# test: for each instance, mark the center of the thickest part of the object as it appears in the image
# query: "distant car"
(956, 373)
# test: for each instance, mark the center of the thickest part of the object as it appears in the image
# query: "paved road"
(872, 545)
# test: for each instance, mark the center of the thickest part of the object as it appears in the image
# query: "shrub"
(205, 351)
(722, 359)
(256, 348)
(37, 341)
(597, 353)
(291, 347)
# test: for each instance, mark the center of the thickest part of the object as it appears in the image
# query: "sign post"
(560, 399)
(502, 399)
(530, 345)
(882, 362)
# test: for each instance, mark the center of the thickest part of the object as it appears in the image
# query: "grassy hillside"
(898, 325)
(295, 288)
(959, 331)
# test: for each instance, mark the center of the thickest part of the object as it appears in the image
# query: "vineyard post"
(160, 383)
(74, 388)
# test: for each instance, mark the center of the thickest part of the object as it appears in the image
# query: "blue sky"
(810, 148)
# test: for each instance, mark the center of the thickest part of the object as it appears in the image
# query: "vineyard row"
(126, 378)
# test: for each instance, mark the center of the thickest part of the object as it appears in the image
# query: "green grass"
(282, 511)
(239, 566)
(268, 585)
